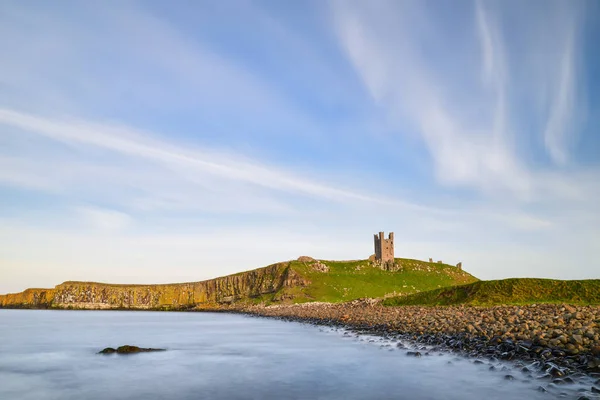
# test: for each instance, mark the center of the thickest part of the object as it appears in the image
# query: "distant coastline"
(288, 282)
(552, 325)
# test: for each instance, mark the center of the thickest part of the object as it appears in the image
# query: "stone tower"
(384, 248)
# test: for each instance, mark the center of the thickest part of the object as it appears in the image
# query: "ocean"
(53, 355)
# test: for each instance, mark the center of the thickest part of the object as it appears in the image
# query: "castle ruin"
(384, 254)
(384, 248)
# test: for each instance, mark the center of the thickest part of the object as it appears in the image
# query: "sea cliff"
(296, 281)
(178, 296)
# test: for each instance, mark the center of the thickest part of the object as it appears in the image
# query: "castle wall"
(384, 248)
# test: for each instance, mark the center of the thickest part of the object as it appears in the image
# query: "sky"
(153, 142)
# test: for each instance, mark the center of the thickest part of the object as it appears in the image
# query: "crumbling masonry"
(384, 248)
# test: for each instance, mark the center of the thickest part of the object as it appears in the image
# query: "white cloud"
(464, 151)
(116, 65)
(104, 219)
(560, 122)
(469, 128)
(20, 172)
(184, 205)
(132, 143)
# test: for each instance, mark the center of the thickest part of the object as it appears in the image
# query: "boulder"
(127, 349)
(319, 267)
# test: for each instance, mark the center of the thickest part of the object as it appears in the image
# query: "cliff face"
(180, 296)
(297, 281)
(30, 298)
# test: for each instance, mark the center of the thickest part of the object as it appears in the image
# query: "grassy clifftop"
(295, 281)
(507, 291)
(349, 280)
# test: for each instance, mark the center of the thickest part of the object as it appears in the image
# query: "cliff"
(296, 281)
(30, 298)
(177, 296)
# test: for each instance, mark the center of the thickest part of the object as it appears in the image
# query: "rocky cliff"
(302, 280)
(179, 296)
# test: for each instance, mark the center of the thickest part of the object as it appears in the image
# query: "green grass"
(507, 291)
(349, 280)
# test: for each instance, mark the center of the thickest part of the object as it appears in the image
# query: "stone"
(107, 350)
(320, 267)
(127, 349)
(569, 308)
(577, 339)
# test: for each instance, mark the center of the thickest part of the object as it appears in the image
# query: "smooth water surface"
(52, 355)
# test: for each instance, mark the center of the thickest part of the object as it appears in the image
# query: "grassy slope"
(349, 280)
(345, 281)
(507, 291)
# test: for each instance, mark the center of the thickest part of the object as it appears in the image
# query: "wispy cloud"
(469, 129)
(104, 219)
(125, 140)
(561, 123)
(132, 138)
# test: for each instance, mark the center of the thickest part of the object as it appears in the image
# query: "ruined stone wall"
(384, 248)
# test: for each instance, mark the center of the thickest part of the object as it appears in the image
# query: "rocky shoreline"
(547, 341)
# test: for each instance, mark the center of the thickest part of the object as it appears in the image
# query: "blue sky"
(151, 142)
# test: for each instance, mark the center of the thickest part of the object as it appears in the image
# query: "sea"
(53, 355)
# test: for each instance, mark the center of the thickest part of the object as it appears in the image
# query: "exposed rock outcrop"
(319, 267)
(315, 265)
(301, 280)
(178, 296)
(30, 298)
(127, 349)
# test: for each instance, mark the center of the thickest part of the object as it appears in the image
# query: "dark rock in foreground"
(127, 350)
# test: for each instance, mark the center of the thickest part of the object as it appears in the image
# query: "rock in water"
(127, 349)
(108, 350)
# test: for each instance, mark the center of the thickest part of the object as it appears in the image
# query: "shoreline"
(556, 341)
(557, 352)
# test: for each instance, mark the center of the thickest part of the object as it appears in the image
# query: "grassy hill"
(295, 281)
(349, 280)
(507, 291)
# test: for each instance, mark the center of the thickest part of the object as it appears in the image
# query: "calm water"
(52, 355)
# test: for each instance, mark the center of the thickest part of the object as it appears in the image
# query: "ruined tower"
(384, 248)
